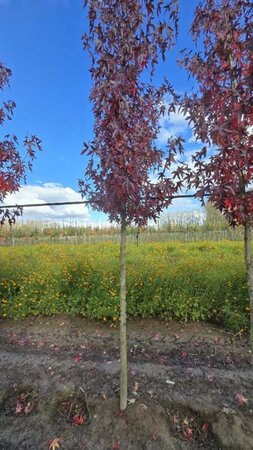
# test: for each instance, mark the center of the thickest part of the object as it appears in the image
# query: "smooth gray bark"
(123, 332)
(249, 273)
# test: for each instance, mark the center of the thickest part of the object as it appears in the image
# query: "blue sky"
(40, 40)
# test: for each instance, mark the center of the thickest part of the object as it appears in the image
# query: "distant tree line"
(208, 219)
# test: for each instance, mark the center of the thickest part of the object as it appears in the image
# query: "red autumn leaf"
(228, 203)
(184, 354)
(188, 434)
(116, 445)
(19, 408)
(135, 387)
(78, 419)
(209, 377)
(241, 399)
(78, 358)
(54, 444)
(205, 427)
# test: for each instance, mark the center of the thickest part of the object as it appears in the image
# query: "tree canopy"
(126, 39)
(221, 112)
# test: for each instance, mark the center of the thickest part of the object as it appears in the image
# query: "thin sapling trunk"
(123, 333)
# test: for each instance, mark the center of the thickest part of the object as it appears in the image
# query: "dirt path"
(190, 386)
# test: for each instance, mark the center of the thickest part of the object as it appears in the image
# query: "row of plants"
(175, 281)
(206, 220)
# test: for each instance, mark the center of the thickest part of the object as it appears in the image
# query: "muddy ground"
(190, 386)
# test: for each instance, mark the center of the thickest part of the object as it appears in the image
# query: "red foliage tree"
(126, 39)
(13, 165)
(221, 113)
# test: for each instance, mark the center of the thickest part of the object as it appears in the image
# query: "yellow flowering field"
(177, 281)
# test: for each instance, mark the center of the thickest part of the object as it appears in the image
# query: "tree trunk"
(249, 273)
(123, 334)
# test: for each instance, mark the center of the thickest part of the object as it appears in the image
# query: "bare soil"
(190, 386)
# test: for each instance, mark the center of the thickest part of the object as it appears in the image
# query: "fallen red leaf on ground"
(19, 408)
(54, 444)
(136, 386)
(188, 434)
(205, 427)
(78, 419)
(116, 445)
(241, 399)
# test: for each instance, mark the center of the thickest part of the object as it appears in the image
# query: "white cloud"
(173, 125)
(184, 204)
(49, 193)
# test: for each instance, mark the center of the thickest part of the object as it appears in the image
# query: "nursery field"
(173, 281)
(190, 384)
